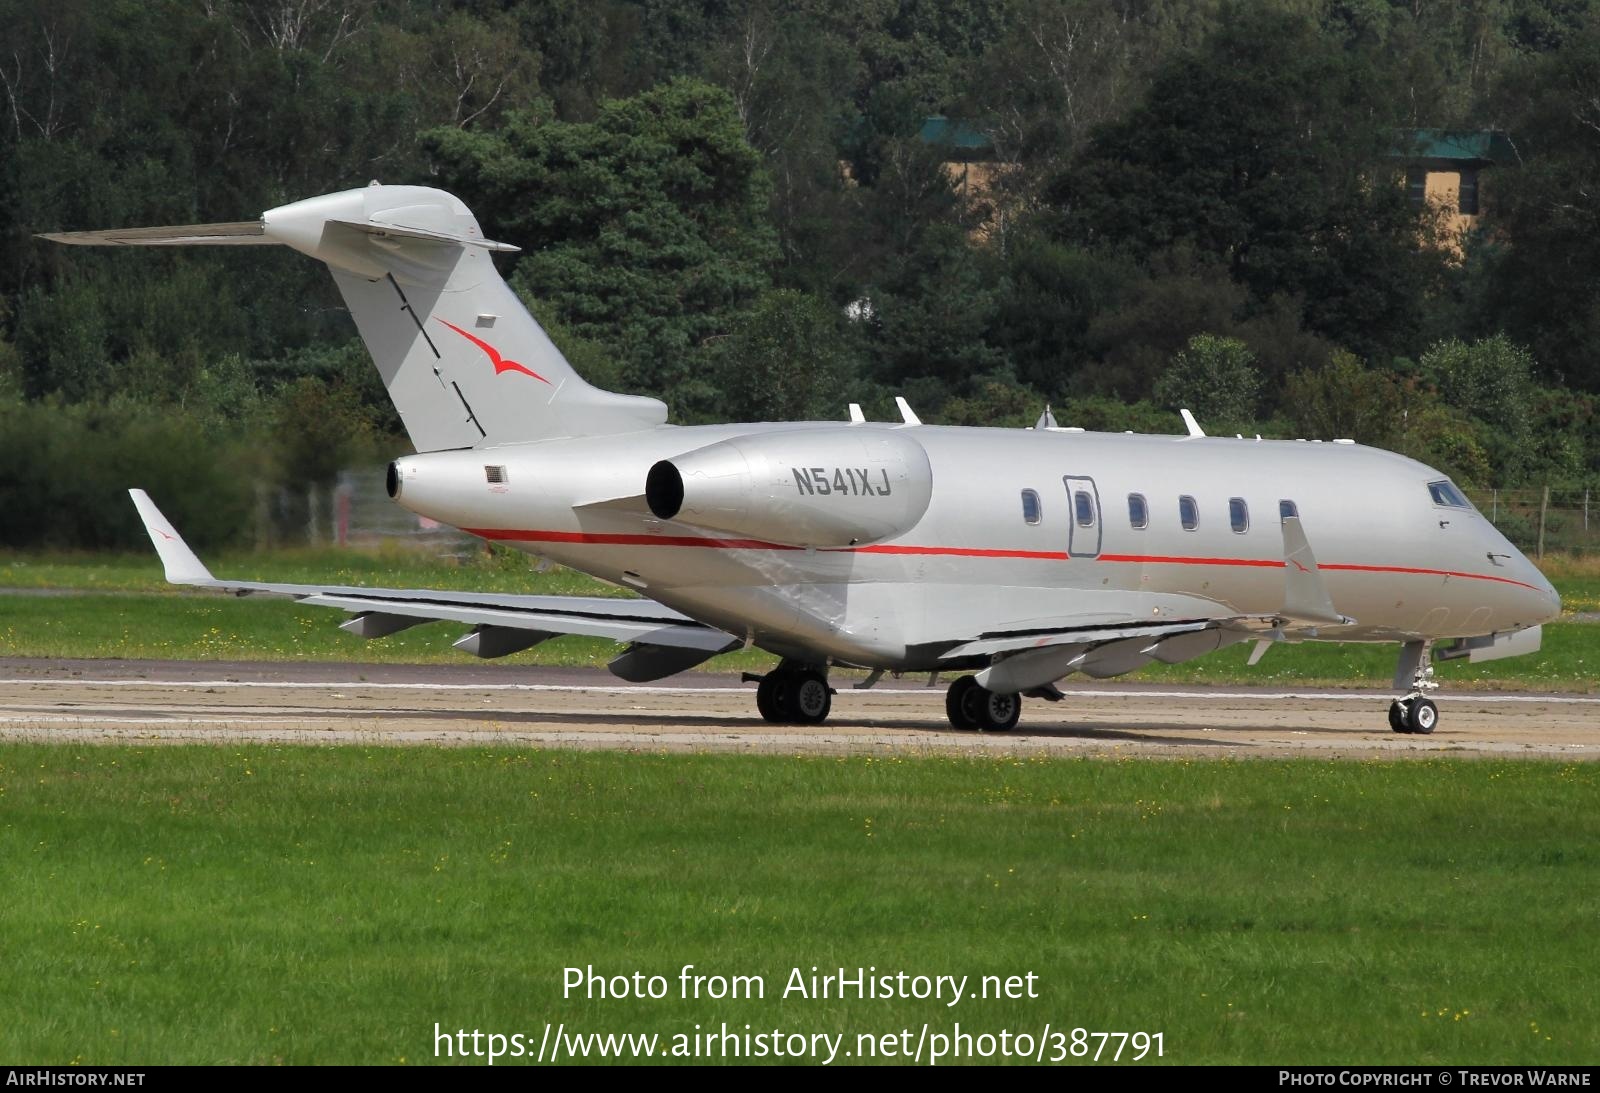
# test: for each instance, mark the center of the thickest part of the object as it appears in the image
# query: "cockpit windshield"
(1444, 492)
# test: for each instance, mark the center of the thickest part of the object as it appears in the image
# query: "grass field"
(120, 607)
(217, 904)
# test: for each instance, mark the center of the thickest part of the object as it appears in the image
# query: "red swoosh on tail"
(500, 363)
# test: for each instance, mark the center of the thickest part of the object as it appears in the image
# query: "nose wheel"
(971, 706)
(1413, 714)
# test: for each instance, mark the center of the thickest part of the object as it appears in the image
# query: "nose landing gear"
(1415, 713)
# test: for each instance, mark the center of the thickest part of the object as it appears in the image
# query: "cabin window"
(1444, 492)
(1138, 511)
(1030, 507)
(1287, 509)
(1238, 515)
(1188, 512)
(1083, 508)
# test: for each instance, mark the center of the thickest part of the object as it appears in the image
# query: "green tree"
(1490, 380)
(646, 229)
(1215, 378)
(996, 401)
(1054, 293)
(316, 429)
(1544, 285)
(1258, 148)
(1345, 399)
(785, 360)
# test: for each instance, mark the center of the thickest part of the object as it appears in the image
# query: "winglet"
(1190, 423)
(1305, 596)
(179, 561)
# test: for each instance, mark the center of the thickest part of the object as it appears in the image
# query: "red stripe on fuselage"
(1272, 563)
(613, 539)
(1170, 559)
(960, 552)
(616, 539)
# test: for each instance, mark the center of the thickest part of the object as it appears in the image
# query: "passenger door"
(1083, 510)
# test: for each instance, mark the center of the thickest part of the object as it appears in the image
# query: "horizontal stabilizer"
(241, 233)
(375, 227)
(252, 232)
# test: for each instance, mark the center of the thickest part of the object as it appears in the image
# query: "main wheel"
(806, 698)
(767, 698)
(1422, 717)
(955, 704)
(1397, 717)
(996, 712)
(972, 706)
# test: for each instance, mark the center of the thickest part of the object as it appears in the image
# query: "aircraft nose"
(1552, 599)
(1540, 601)
(1537, 600)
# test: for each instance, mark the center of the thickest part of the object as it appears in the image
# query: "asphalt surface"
(471, 704)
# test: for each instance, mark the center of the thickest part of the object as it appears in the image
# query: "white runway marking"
(897, 692)
(176, 722)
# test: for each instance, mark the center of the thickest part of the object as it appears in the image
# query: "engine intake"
(663, 490)
(803, 487)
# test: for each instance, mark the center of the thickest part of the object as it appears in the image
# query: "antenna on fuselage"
(856, 416)
(1047, 420)
(906, 413)
(1190, 423)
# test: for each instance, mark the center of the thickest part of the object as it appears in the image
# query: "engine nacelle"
(807, 487)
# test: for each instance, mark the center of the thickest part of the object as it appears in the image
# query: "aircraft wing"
(1035, 658)
(662, 641)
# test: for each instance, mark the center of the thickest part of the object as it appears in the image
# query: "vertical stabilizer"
(464, 362)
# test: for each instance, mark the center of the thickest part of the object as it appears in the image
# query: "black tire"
(1397, 717)
(767, 698)
(980, 708)
(807, 699)
(999, 712)
(1422, 717)
(955, 704)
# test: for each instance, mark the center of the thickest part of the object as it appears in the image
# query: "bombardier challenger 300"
(1009, 558)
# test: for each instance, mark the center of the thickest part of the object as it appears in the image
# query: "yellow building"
(1443, 170)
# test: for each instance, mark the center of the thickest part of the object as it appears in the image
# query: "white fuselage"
(1401, 565)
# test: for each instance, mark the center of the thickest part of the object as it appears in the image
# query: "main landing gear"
(793, 695)
(1415, 713)
(969, 705)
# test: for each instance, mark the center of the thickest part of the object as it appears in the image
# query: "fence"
(357, 511)
(1542, 520)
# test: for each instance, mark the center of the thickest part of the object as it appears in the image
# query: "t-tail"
(464, 362)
